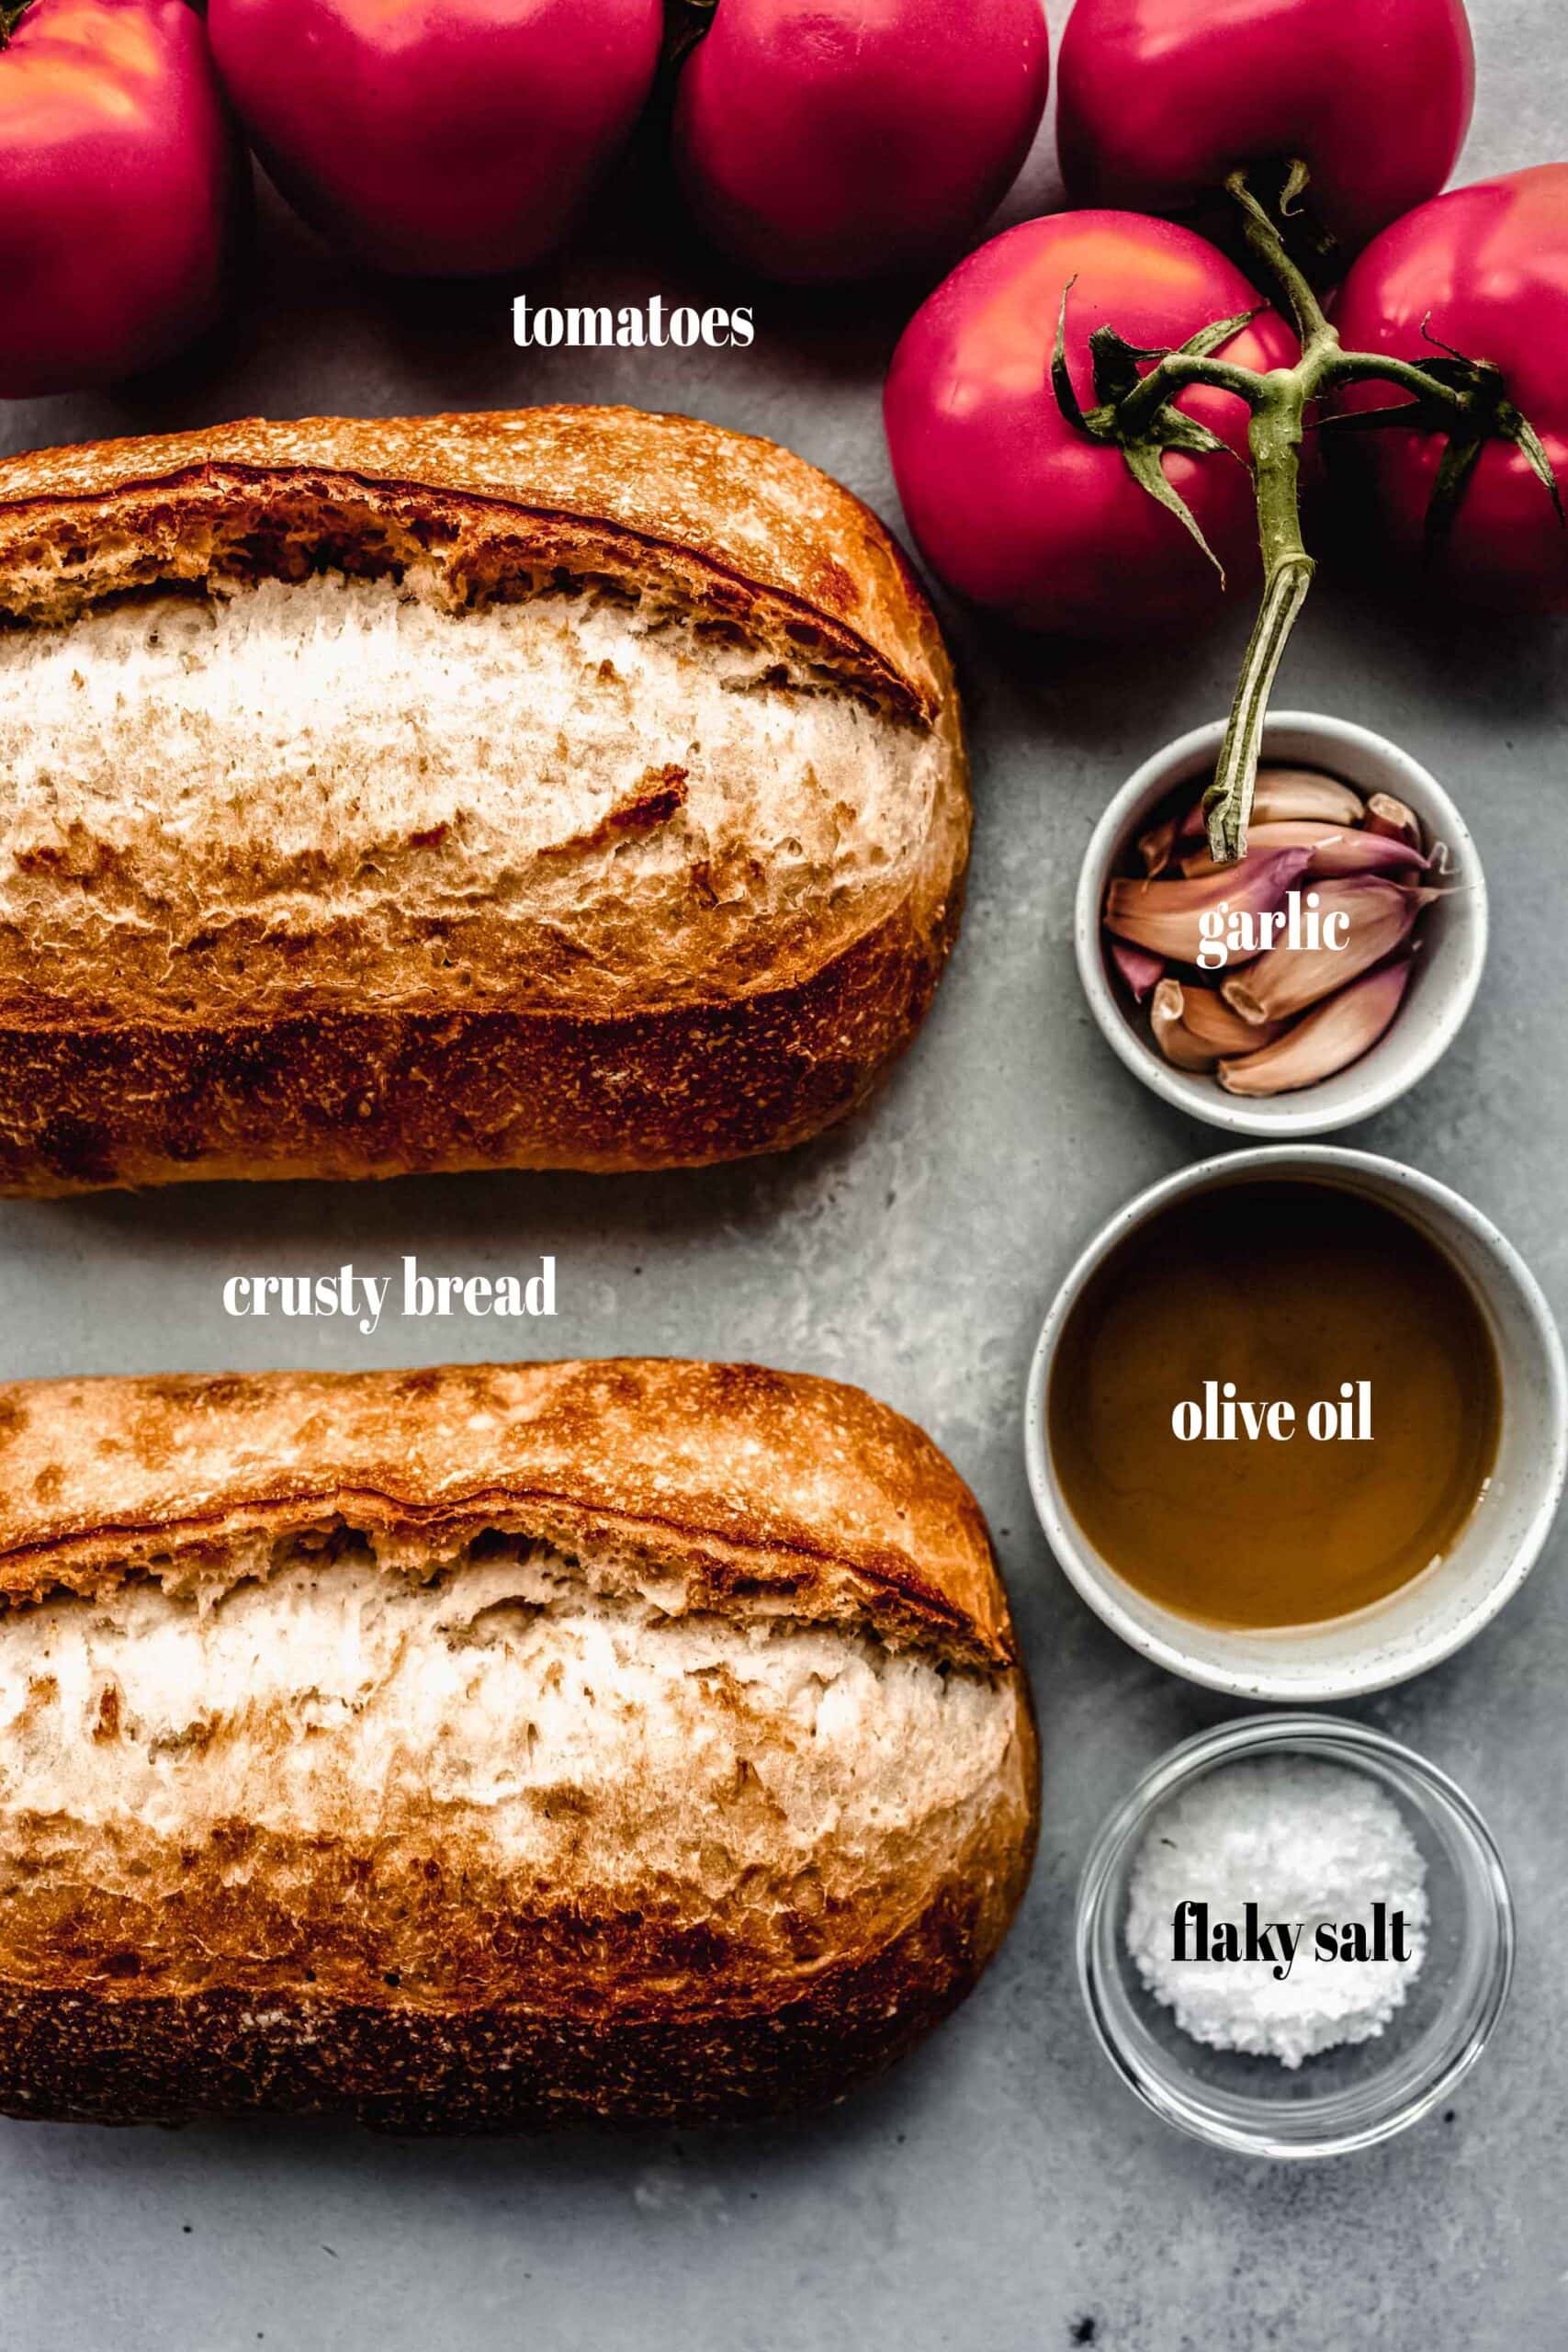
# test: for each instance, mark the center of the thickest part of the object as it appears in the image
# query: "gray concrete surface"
(1001, 2190)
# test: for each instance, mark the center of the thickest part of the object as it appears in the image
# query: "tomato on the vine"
(1010, 504)
(1482, 274)
(1160, 100)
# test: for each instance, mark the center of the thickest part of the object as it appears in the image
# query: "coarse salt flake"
(1308, 1843)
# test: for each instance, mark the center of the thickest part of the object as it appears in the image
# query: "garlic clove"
(1154, 848)
(1392, 818)
(1165, 917)
(1137, 966)
(1175, 1040)
(1285, 796)
(1293, 833)
(1364, 852)
(1212, 1020)
(1334, 850)
(1285, 980)
(1337, 1034)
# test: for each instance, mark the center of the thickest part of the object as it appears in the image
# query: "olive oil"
(1273, 1404)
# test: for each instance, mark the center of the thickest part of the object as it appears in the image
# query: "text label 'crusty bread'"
(472, 1748)
(571, 789)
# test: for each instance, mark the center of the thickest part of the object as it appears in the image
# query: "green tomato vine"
(1463, 399)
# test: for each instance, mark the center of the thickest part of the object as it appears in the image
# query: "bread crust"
(393, 2065)
(412, 1979)
(87, 2056)
(760, 1487)
(130, 1058)
(344, 1094)
(749, 531)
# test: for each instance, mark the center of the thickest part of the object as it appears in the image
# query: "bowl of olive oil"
(1295, 1422)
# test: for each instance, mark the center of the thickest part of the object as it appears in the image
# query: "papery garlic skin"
(1273, 1019)
(1327, 1041)
(1287, 796)
(1209, 1019)
(1334, 851)
(1165, 917)
(1380, 918)
(1156, 848)
(1175, 1040)
(1139, 970)
(1392, 818)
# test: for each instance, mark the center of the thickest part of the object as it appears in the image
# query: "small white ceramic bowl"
(1453, 935)
(1446, 1606)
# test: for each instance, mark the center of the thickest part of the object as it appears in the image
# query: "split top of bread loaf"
(573, 709)
(734, 527)
(699, 1488)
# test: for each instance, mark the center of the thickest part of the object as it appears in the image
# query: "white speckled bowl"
(1445, 1607)
(1447, 969)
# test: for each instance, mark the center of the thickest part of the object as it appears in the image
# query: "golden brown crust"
(760, 1487)
(412, 1991)
(381, 1094)
(726, 2046)
(410, 1965)
(749, 531)
(321, 1032)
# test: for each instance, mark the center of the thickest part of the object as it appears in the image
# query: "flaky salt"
(1307, 1843)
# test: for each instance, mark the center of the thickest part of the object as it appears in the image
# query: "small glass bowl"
(1344, 2099)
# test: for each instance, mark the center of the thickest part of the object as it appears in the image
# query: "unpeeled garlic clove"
(1175, 1040)
(1364, 852)
(1154, 848)
(1391, 818)
(1287, 979)
(1164, 917)
(1288, 796)
(1212, 1022)
(1334, 850)
(1141, 970)
(1337, 1034)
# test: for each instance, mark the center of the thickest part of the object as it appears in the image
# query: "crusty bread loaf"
(472, 1748)
(576, 787)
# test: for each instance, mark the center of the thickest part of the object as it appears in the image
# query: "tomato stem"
(1228, 804)
(1174, 374)
(1280, 405)
(686, 22)
(1370, 367)
(1135, 412)
(1280, 400)
(1263, 238)
(1289, 570)
(1275, 441)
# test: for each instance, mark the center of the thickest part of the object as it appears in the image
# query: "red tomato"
(1160, 99)
(1486, 270)
(120, 191)
(446, 138)
(1009, 504)
(831, 139)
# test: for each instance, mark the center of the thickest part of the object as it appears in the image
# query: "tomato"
(1159, 99)
(831, 139)
(121, 191)
(446, 138)
(1485, 270)
(1010, 504)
